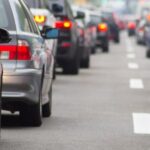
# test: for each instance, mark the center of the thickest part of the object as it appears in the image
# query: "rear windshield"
(6, 16)
(95, 19)
(35, 3)
(107, 15)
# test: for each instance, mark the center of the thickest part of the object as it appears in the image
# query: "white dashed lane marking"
(130, 49)
(131, 56)
(136, 84)
(141, 123)
(133, 66)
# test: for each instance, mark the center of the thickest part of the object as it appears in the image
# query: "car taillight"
(66, 45)
(102, 27)
(15, 52)
(131, 25)
(23, 50)
(40, 19)
(141, 29)
(63, 24)
(8, 52)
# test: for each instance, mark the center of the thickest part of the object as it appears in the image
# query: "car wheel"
(148, 53)
(47, 108)
(93, 50)
(72, 67)
(117, 39)
(54, 71)
(105, 49)
(85, 63)
(31, 115)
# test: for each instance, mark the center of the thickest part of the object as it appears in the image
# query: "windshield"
(107, 15)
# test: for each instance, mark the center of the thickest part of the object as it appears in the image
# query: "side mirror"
(51, 33)
(80, 15)
(4, 36)
(56, 8)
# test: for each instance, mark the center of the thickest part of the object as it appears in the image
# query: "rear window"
(107, 15)
(95, 19)
(6, 16)
(35, 3)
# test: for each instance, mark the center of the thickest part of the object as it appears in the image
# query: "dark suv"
(110, 18)
(68, 53)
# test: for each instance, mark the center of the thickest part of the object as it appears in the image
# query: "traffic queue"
(39, 36)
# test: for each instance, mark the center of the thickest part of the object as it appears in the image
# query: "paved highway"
(104, 108)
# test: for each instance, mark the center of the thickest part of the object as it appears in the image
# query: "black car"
(68, 53)
(114, 31)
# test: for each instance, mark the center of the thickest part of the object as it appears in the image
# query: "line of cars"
(42, 35)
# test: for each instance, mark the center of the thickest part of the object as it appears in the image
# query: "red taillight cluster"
(23, 51)
(102, 27)
(15, 52)
(63, 24)
(131, 25)
(8, 52)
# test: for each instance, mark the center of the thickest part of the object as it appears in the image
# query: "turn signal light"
(102, 27)
(40, 19)
(63, 24)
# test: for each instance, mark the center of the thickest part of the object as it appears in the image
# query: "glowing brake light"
(103, 27)
(63, 24)
(131, 25)
(40, 19)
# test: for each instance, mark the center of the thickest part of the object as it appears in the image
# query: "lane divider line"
(133, 66)
(136, 84)
(141, 123)
(131, 56)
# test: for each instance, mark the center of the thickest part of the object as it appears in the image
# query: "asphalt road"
(104, 108)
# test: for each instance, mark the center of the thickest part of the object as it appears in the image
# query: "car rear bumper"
(21, 87)
(102, 40)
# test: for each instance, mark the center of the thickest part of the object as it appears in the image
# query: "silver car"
(28, 64)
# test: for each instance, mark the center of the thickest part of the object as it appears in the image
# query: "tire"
(85, 63)
(117, 39)
(72, 67)
(148, 53)
(105, 49)
(31, 115)
(47, 108)
(93, 50)
(138, 42)
(54, 72)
